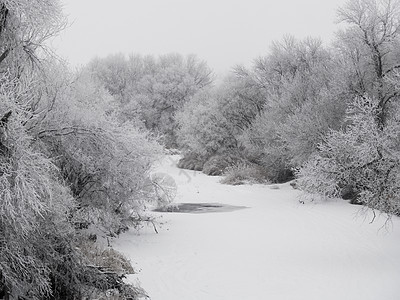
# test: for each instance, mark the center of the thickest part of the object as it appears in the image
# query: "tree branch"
(4, 119)
(4, 55)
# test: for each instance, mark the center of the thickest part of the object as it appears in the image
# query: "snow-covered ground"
(277, 248)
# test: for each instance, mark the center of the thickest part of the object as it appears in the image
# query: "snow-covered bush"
(217, 164)
(244, 173)
(191, 161)
(362, 156)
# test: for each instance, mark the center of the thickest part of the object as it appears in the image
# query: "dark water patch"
(198, 208)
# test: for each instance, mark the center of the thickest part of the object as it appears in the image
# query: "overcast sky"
(222, 32)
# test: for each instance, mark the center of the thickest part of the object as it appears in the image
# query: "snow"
(276, 248)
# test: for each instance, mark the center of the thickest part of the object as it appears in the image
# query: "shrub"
(191, 161)
(217, 164)
(244, 173)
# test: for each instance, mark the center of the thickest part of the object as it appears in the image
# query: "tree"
(302, 102)
(152, 89)
(361, 160)
(203, 129)
(28, 193)
(219, 115)
(371, 44)
(364, 157)
(43, 255)
(114, 74)
(24, 28)
(106, 163)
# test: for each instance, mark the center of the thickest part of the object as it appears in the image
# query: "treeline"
(328, 116)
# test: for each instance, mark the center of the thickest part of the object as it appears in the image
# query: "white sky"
(222, 32)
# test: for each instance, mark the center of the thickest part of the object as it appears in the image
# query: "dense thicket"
(326, 114)
(273, 114)
(71, 170)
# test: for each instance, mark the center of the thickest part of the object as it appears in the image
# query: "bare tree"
(372, 39)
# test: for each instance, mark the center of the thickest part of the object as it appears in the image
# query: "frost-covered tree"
(152, 89)
(302, 102)
(203, 129)
(66, 165)
(370, 44)
(218, 116)
(42, 253)
(275, 113)
(106, 163)
(114, 74)
(363, 157)
(31, 197)
(24, 27)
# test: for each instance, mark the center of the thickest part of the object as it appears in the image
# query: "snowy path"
(275, 249)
